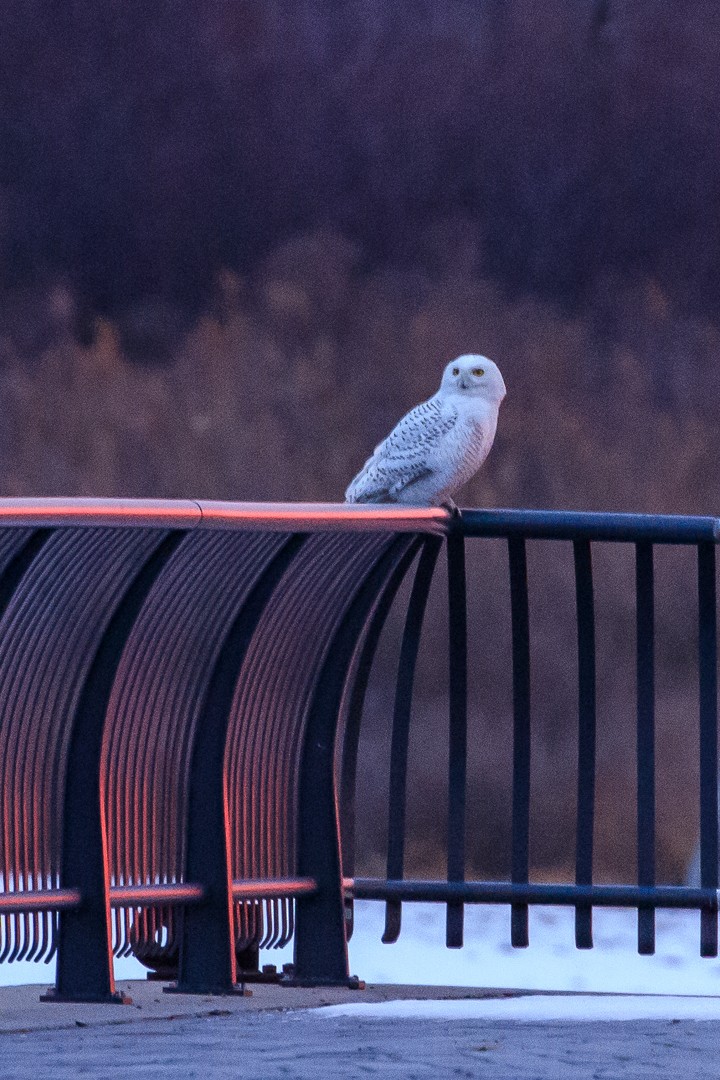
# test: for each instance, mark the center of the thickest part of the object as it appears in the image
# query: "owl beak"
(462, 384)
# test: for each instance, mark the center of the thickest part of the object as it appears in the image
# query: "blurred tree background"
(239, 238)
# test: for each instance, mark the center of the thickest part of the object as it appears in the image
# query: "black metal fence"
(582, 530)
(181, 701)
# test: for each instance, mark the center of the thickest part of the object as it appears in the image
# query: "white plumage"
(438, 445)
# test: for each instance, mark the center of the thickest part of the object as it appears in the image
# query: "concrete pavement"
(22, 1012)
(276, 1033)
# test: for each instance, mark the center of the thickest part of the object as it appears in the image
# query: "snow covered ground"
(550, 963)
(531, 1010)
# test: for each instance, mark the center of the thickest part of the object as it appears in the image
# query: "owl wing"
(402, 459)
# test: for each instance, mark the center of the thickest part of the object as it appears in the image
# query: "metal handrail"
(192, 514)
(585, 525)
(505, 892)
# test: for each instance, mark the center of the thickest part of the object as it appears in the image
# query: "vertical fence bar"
(457, 763)
(585, 603)
(645, 645)
(520, 617)
(707, 666)
(401, 731)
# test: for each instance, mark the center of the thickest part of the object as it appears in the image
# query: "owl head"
(475, 375)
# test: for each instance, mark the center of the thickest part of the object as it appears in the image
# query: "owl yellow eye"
(456, 371)
(478, 371)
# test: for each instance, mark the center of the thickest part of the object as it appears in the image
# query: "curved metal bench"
(171, 676)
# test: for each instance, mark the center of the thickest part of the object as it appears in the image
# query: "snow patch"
(542, 1008)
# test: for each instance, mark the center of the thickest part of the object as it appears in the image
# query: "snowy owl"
(439, 444)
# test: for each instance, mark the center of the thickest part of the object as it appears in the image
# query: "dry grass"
(282, 391)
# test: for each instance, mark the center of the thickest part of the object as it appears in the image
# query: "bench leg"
(321, 956)
(84, 957)
(208, 962)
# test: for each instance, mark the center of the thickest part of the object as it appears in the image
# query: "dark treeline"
(145, 147)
